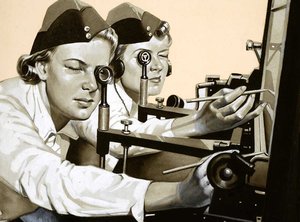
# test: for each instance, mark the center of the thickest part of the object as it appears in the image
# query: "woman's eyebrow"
(165, 50)
(78, 60)
(140, 49)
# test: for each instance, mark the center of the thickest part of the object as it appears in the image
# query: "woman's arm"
(232, 110)
(35, 171)
(194, 192)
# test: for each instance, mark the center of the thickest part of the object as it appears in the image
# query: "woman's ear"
(41, 70)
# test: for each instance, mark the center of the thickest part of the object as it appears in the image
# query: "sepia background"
(209, 37)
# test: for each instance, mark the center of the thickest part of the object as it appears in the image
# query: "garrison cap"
(68, 21)
(133, 25)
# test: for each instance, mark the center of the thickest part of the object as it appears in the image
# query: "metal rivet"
(88, 35)
(148, 28)
(150, 34)
(87, 28)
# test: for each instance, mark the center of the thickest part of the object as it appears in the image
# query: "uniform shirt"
(31, 163)
(118, 112)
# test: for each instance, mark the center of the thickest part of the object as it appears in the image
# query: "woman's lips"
(155, 79)
(84, 102)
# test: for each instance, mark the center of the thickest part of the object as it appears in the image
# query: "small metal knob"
(226, 174)
(159, 101)
(251, 45)
(126, 123)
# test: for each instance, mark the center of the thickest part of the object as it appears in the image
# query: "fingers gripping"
(252, 114)
(229, 97)
(242, 111)
(233, 107)
(223, 91)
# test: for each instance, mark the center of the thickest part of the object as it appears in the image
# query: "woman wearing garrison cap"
(57, 89)
(139, 30)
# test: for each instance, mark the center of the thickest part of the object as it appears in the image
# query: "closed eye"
(75, 70)
(74, 65)
(164, 54)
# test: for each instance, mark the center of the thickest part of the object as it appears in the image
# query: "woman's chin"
(154, 91)
(82, 114)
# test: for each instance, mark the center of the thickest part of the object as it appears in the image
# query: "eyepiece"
(144, 58)
(103, 74)
(175, 101)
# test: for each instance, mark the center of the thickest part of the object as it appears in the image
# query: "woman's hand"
(196, 191)
(232, 110)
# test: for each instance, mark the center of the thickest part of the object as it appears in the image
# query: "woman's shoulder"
(12, 85)
(15, 92)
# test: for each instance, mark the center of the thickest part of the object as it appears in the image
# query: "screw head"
(159, 99)
(126, 122)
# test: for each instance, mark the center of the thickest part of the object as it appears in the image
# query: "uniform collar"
(42, 118)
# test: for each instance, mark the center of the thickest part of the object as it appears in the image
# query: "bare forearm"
(162, 196)
(186, 127)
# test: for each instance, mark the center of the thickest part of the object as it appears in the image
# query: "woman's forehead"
(155, 43)
(89, 52)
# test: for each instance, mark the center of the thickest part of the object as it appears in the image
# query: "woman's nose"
(90, 82)
(156, 64)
